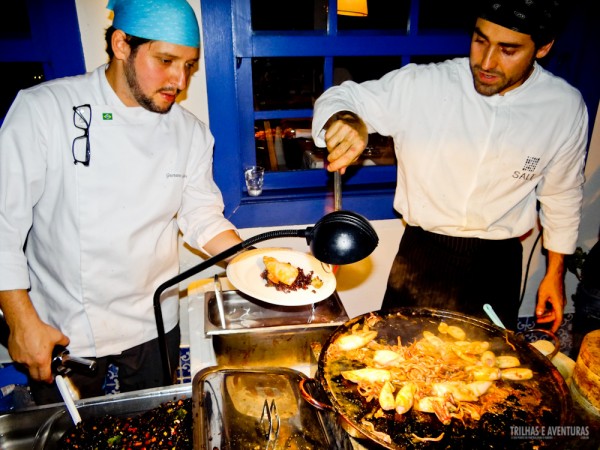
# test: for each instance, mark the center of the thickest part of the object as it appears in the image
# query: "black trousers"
(457, 274)
(139, 368)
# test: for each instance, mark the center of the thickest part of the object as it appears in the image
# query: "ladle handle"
(493, 316)
(337, 191)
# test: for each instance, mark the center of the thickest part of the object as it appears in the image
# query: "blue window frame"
(40, 41)
(415, 31)
(301, 196)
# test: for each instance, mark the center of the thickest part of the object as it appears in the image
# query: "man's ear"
(120, 47)
(544, 50)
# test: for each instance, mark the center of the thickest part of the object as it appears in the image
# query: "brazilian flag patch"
(106, 116)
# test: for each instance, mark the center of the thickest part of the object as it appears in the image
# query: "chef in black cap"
(480, 141)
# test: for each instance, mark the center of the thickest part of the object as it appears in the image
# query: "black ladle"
(340, 237)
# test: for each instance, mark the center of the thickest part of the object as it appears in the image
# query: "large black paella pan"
(458, 397)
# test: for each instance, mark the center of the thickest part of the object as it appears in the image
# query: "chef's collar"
(172, 21)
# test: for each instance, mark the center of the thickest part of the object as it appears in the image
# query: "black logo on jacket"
(526, 173)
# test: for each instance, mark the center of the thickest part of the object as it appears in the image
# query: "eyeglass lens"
(82, 116)
(81, 150)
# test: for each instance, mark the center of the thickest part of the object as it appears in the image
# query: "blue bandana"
(170, 21)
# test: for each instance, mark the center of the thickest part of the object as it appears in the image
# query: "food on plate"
(443, 373)
(286, 277)
(166, 426)
(280, 272)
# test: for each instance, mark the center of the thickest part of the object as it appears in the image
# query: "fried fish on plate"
(280, 272)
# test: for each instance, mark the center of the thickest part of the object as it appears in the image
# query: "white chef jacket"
(101, 239)
(471, 165)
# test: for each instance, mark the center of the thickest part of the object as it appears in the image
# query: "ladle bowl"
(341, 237)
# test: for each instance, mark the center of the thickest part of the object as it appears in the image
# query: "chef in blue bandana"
(480, 141)
(104, 170)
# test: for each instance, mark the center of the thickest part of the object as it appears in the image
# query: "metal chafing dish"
(233, 408)
(41, 427)
(258, 408)
(259, 334)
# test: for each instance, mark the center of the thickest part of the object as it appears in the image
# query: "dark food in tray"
(166, 426)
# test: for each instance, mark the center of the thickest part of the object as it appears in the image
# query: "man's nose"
(489, 59)
(180, 78)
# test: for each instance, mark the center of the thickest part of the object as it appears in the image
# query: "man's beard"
(501, 85)
(488, 89)
(145, 101)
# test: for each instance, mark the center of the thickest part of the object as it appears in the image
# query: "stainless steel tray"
(258, 408)
(244, 314)
(42, 427)
(259, 334)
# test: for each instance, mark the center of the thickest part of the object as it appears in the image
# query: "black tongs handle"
(63, 363)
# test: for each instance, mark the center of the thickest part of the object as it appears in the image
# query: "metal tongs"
(62, 364)
(270, 423)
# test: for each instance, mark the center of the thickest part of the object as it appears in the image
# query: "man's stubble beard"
(488, 90)
(132, 81)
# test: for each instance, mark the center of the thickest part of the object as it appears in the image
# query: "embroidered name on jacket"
(528, 168)
(176, 175)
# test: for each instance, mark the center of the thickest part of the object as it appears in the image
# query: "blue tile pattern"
(564, 333)
(111, 385)
(184, 371)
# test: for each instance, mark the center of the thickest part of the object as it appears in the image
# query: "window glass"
(23, 75)
(361, 69)
(17, 27)
(379, 152)
(295, 83)
(286, 144)
(268, 15)
(286, 83)
(457, 15)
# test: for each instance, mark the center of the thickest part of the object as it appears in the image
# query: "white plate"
(245, 270)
